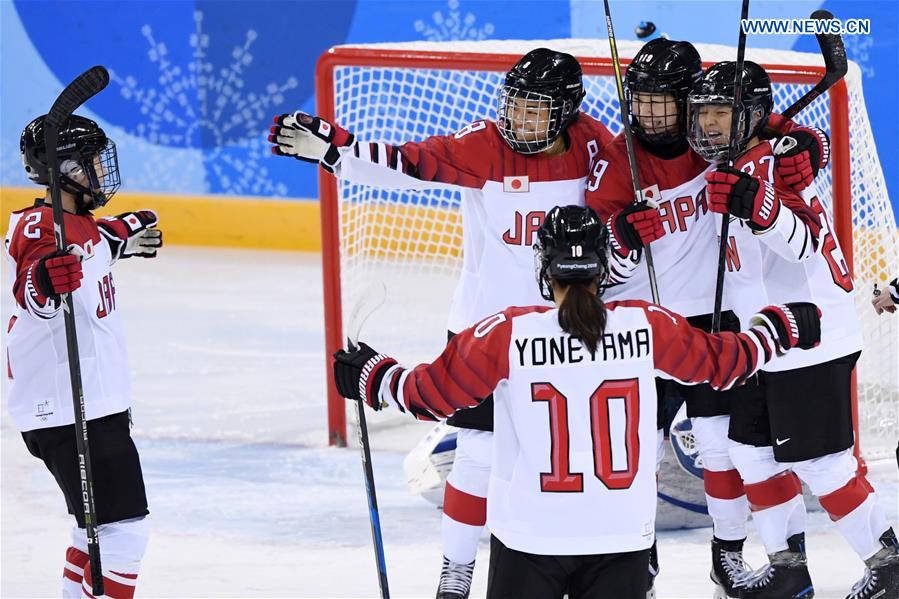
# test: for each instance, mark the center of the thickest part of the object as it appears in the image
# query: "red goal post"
(401, 92)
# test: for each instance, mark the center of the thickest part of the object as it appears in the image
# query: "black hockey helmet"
(662, 66)
(572, 246)
(88, 162)
(716, 88)
(541, 95)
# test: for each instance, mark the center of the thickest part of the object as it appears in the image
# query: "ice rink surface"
(246, 499)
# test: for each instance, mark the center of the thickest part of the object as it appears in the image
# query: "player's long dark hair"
(582, 314)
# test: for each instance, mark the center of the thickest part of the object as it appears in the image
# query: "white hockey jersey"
(505, 196)
(40, 391)
(574, 449)
(798, 260)
(686, 258)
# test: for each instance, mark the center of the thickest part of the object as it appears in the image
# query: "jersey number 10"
(614, 417)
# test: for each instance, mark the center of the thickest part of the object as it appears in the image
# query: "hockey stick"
(79, 91)
(360, 313)
(835, 64)
(629, 142)
(731, 155)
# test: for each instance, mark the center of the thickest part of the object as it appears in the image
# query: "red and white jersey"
(686, 258)
(574, 451)
(798, 260)
(505, 196)
(40, 392)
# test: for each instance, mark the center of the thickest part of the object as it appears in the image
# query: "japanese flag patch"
(516, 184)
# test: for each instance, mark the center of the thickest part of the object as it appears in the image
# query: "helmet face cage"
(657, 117)
(657, 83)
(94, 176)
(709, 125)
(88, 161)
(530, 121)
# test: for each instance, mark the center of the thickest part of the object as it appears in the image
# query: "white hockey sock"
(73, 573)
(777, 509)
(727, 504)
(854, 509)
(464, 516)
(847, 497)
(465, 496)
(724, 493)
(122, 547)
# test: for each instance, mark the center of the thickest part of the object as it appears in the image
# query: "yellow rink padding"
(208, 220)
(376, 230)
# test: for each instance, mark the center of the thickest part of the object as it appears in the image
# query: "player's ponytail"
(582, 314)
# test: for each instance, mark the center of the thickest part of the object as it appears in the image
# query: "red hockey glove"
(800, 155)
(734, 192)
(791, 325)
(309, 138)
(132, 234)
(57, 273)
(358, 373)
(634, 227)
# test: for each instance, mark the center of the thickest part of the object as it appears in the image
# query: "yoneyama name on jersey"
(564, 349)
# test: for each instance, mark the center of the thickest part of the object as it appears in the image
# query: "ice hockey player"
(798, 425)
(572, 494)
(672, 176)
(536, 155)
(40, 394)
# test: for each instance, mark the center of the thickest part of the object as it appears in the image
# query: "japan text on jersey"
(798, 259)
(504, 199)
(40, 393)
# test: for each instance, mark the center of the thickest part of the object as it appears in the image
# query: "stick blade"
(832, 48)
(83, 88)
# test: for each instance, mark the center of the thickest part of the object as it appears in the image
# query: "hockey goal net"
(411, 241)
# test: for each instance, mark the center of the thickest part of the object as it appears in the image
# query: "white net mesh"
(412, 240)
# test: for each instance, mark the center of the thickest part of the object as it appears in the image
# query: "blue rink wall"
(195, 84)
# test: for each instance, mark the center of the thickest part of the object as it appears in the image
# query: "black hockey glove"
(309, 138)
(800, 155)
(634, 227)
(797, 324)
(358, 373)
(731, 191)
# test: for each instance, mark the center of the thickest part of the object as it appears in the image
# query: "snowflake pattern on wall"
(453, 26)
(227, 122)
(857, 47)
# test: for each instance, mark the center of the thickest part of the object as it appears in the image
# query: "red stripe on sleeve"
(468, 370)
